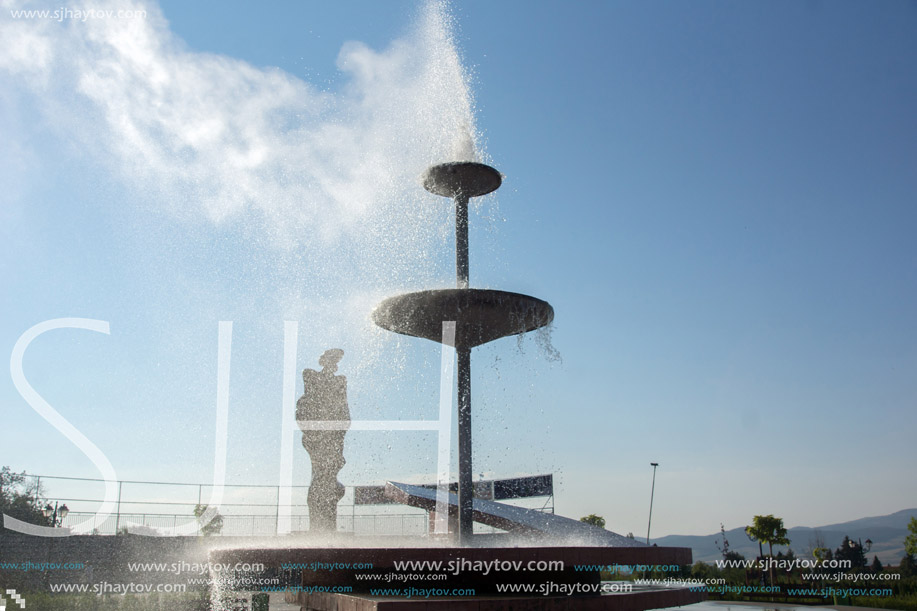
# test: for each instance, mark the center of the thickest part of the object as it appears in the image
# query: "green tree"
(702, 571)
(908, 566)
(594, 520)
(910, 542)
(876, 566)
(20, 498)
(817, 546)
(732, 573)
(10, 483)
(770, 530)
(209, 518)
(724, 548)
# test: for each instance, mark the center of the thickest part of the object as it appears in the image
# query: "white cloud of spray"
(216, 136)
(322, 182)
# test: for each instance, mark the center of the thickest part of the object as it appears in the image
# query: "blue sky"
(717, 199)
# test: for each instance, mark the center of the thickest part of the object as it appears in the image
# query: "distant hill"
(887, 534)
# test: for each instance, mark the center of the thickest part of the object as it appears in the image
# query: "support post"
(118, 511)
(277, 514)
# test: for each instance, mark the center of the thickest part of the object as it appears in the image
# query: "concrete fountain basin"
(553, 571)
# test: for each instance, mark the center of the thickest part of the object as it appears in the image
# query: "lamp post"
(652, 492)
(866, 546)
(56, 513)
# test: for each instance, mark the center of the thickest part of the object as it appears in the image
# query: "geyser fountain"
(464, 317)
(479, 315)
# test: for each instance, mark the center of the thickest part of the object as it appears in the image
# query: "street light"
(652, 492)
(866, 546)
(57, 514)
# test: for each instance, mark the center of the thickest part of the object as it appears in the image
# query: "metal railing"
(252, 525)
(147, 507)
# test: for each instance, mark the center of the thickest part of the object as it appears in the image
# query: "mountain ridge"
(886, 532)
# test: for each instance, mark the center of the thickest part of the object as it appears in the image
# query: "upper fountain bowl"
(461, 179)
(480, 315)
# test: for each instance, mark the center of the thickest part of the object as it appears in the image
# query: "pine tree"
(852, 551)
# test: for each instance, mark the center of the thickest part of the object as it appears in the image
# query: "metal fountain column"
(462, 181)
(465, 490)
(480, 315)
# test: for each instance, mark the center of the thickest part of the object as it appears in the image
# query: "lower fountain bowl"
(480, 315)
